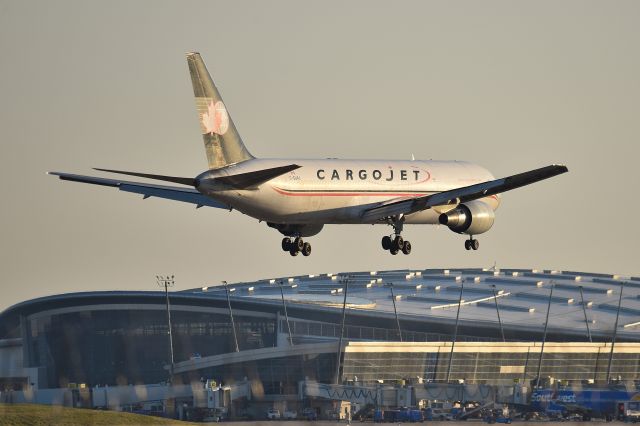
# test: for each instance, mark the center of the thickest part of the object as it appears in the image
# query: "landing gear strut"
(295, 246)
(471, 244)
(396, 243)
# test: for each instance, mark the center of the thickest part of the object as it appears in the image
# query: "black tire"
(406, 247)
(386, 242)
(286, 244)
(398, 243)
(298, 243)
(467, 244)
(393, 251)
(306, 249)
(293, 251)
(475, 244)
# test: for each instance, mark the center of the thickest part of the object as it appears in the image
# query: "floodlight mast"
(495, 298)
(615, 333)
(584, 311)
(544, 335)
(395, 311)
(286, 315)
(233, 324)
(455, 331)
(344, 314)
(166, 282)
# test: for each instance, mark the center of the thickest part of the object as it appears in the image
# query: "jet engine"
(472, 218)
(291, 230)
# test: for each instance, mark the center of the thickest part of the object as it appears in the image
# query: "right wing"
(462, 194)
(186, 195)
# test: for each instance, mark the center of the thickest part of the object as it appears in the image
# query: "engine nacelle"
(291, 230)
(472, 218)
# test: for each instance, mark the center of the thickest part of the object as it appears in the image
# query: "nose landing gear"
(295, 246)
(471, 244)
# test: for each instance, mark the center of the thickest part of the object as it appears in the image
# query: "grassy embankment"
(41, 415)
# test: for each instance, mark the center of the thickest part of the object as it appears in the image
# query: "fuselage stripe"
(340, 193)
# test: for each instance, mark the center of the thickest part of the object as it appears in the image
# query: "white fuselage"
(335, 191)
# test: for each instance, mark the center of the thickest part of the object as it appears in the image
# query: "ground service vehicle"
(273, 414)
(289, 415)
(309, 414)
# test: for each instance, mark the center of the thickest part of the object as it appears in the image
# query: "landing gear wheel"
(398, 243)
(306, 249)
(475, 244)
(386, 242)
(406, 247)
(393, 251)
(467, 244)
(286, 244)
(293, 251)
(298, 243)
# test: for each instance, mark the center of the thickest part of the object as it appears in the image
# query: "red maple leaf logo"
(216, 119)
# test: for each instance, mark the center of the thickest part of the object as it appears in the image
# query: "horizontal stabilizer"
(249, 179)
(186, 195)
(174, 179)
(462, 194)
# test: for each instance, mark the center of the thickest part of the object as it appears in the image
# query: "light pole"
(233, 324)
(166, 282)
(344, 314)
(455, 331)
(544, 336)
(584, 311)
(495, 298)
(615, 333)
(286, 315)
(395, 311)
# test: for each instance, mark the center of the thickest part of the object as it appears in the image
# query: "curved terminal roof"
(522, 296)
(428, 297)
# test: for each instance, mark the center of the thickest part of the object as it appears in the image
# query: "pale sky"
(509, 85)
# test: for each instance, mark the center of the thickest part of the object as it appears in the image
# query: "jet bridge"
(403, 396)
(378, 396)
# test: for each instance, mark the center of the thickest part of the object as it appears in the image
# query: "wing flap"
(463, 194)
(185, 195)
(387, 209)
(174, 179)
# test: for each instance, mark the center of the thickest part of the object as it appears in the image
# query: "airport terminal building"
(399, 327)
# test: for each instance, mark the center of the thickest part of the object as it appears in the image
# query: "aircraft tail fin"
(222, 142)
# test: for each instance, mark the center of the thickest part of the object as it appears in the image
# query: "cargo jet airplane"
(299, 197)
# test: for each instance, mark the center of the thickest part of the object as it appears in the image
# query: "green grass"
(40, 415)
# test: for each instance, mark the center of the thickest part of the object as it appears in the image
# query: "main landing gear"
(471, 244)
(396, 243)
(295, 246)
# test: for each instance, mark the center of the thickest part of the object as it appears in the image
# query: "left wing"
(463, 194)
(186, 195)
(240, 181)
